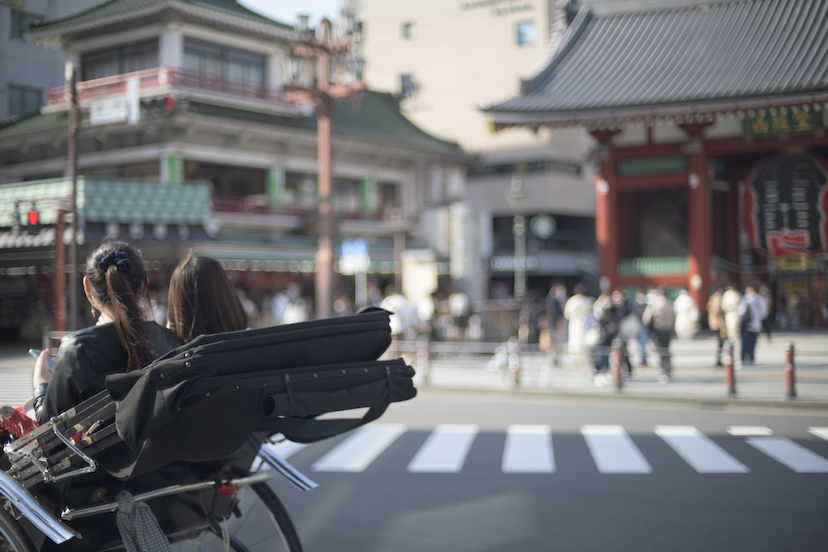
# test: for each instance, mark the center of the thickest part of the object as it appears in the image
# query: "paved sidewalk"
(695, 379)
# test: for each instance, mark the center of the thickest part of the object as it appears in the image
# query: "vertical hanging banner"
(786, 206)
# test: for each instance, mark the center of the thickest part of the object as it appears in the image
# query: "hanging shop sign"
(786, 206)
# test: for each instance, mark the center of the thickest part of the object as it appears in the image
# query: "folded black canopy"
(201, 401)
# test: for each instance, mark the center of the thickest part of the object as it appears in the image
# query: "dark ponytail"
(116, 272)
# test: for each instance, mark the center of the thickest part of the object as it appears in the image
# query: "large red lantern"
(786, 206)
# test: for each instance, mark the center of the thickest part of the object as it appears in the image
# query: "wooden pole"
(71, 84)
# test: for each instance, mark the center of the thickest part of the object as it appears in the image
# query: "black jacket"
(84, 359)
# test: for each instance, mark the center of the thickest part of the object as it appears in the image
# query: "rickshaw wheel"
(12, 536)
(263, 526)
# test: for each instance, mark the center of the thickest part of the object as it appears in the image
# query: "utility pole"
(60, 271)
(325, 47)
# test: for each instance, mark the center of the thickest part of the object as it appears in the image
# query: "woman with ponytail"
(120, 341)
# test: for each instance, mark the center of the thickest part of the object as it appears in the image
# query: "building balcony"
(179, 83)
(255, 211)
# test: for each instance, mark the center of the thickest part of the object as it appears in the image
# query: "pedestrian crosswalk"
(530, 448)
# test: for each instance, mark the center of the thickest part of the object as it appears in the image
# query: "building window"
(20, 22)
(408, 86)
(117, 61)
(408, 30)
(228, 65)
(300, 191)
(389, 198)
(525, 33)
(345, 196)
(24, 100)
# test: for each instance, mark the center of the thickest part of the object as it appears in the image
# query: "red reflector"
(226, 490)
(33, 217)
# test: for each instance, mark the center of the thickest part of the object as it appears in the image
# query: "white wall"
(463, 58)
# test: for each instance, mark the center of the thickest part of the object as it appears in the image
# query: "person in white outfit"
(577, 311)
(731, 300)
(687, 315)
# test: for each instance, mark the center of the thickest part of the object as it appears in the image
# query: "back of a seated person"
(202, 300)
(120, 341)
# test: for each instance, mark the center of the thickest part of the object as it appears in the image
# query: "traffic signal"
(164, 105)
(34, 221)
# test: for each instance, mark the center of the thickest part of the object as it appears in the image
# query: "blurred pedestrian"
(767, 321)
(281, 300)
(253, 318)
(604, 312)
(716, 322)
(660, 318)
(731, 300)
(397, 305)
(687, 315)
(460, 311)
(555, 304)
(577, 311)
(643, 337)
(296, 311)
(751, 313)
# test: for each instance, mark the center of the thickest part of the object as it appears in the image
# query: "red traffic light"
(169, 104)
(34, 217)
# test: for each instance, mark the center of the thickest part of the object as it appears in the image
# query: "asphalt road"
(484, 472)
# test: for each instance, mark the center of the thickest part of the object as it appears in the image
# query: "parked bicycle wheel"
(12, 537)
(257, 522)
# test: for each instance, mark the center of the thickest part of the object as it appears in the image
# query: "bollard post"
(616, 360)
(514, 361)
(422, 357)
(730, 373)
(790, 371)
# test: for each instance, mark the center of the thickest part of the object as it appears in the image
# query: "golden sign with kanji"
(782, 125)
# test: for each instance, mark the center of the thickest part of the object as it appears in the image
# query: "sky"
(286, 11)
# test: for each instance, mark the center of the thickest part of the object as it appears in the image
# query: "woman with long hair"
(202, 299)
(121, 340)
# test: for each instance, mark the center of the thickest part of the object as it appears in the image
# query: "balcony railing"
(260, 204)
(164, 77)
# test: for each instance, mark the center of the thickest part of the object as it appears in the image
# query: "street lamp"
(338, 79)
(516, 196)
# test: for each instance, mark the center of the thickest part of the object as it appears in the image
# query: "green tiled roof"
(34, 123)
(376, 117)
(122, 8)
(111, 200)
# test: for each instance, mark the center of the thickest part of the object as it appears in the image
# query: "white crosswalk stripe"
(819, 432)
(613, 450)
(699, 451)
(528, 449)
(744, 431)
(793, 455)
(357, 451)
(445, 449)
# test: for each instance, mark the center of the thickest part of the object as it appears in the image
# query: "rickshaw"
(192, 437)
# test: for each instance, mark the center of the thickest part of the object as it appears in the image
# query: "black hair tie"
(118, 258)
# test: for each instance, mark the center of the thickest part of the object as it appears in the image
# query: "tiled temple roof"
(691, 59)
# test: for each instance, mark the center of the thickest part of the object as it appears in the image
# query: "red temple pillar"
(698, 214)
(606, 210)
